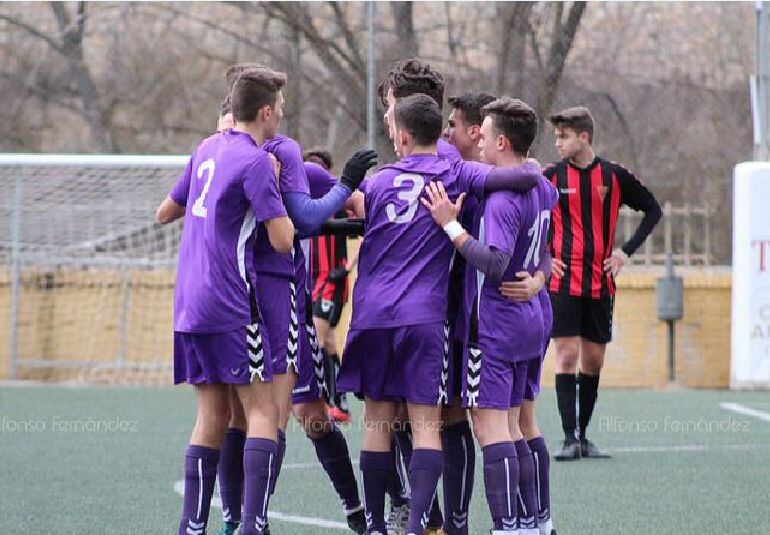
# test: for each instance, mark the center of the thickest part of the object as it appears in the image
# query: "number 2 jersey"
(227, 188)
(405, 257)
(517, 225)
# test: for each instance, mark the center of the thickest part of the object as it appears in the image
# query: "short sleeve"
(260, 188)
(181, 189)
(502, 222)
(289, 154)
(472, 176)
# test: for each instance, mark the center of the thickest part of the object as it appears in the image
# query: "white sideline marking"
(216, 501)
(687, 448)
(748, 411)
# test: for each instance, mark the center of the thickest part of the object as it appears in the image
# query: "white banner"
(750, 359)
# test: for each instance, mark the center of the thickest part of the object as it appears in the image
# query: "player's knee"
(214, 421)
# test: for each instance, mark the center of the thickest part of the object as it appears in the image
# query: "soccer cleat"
(229, 528)
(589, 450)
(357, 521)
(397, 519)
(338, 415)
(570, 451)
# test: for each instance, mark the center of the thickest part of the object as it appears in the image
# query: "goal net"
(86, 274)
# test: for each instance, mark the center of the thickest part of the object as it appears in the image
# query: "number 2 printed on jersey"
(198, 207)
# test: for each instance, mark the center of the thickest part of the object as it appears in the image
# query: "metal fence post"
(16, 221)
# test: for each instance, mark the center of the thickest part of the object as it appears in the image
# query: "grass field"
(106, 460)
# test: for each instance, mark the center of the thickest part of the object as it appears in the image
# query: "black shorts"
(330, 311)
(582, 316)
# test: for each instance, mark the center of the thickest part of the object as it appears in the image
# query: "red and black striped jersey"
(327, 253)
(585, 218)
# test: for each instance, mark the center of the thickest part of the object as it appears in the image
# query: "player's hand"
(558, 267)
(524, 289)
(534, 162)
(438, 204)
(337, 274)
(615, 263)
(356, 167)
(276, 166)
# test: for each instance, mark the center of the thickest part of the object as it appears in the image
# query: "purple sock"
(332, 451)
(527, 499)
(542, 467)
(375, 471)
(200, 475)
(230, 474)
(459, 470)
(424, 472)
(280, 452)
(501, 482)
(259, 463)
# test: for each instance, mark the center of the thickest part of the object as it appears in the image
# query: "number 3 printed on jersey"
(411, 196)
(198, 208)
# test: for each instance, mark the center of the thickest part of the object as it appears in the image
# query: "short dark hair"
(320, 154)
(515, 120)
(410, 77)
(420, 116)
(578, 118)
(253, 89)
(470, 104)
(231, 75)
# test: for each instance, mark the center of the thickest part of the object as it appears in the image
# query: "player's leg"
(596, 333)
(376, 460)
(399, 490)
(202, 455)
(230, 467)
(459, 452)
(542, 461)
(526, 502)
(567, 314)
(260, 452)
(309, 408)
(426, 464)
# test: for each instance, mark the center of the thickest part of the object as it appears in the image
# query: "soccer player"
(591, 191)
(398, 345)
(218, 325)
(503, 337)
(329, 275)
(295, 354)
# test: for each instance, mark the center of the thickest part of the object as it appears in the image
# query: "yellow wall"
(75, 314)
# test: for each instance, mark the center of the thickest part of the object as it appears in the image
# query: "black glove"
(337, 274)
(356, 168)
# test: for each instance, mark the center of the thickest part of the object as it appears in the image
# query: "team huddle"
(450, 323)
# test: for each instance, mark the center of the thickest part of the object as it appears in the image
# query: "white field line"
(748, 411)
(216, 502)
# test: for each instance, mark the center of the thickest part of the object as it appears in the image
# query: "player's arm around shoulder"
(173, 206)
(260, 185)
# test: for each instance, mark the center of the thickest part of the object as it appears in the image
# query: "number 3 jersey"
(516, 224)
(227, 188)
(404, 262)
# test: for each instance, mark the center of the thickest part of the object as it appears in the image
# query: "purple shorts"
(494, 383)
(236, 357)
(277, 300)
(535, 367)
(311, 381)
(408, 363)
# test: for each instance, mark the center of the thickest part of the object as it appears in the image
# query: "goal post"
(86, 274)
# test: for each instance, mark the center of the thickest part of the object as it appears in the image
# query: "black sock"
(589, 388)
(565, 399)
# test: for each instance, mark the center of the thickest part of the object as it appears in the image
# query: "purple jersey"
(233, 189)
(403, 271)
(517, 225)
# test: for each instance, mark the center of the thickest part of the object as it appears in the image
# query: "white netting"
(86, 275)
